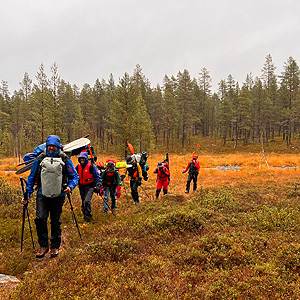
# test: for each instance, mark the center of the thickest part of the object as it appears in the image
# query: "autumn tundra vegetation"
(235, 237)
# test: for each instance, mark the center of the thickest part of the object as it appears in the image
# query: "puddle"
(284, 167)
(225, 168)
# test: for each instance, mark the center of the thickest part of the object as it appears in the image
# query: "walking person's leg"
(42, 213)
(55, 216)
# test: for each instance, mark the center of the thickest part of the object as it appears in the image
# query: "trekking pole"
(25, 210)
(107, 204)
(73, 214)
(145, 192)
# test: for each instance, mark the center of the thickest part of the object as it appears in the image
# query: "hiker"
(135, 174)
(110, 181)
(163, 178)
(56, 176)
(193, 167)
(89, 182)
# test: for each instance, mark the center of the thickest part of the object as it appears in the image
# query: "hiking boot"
(87, 218)
(53, 252)
(187, 191)
(41, 253)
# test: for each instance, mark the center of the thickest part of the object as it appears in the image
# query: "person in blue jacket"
(89, 182)
(55, 175)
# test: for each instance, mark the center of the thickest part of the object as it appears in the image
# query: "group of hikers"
(55, 175)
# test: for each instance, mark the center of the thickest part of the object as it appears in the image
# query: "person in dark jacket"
(89, 182)
(193, 167)
(110, 181)
(163, 178)
(56, 177)
(134, 171)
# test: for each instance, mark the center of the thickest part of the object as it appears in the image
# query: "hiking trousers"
(109, 190)
(190, 178)
(134, 190)
(44, 207)
(86, 194)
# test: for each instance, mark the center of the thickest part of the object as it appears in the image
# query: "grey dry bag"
(52, 176)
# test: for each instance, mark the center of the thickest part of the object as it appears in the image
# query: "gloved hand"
(122, 177)
(139, 181)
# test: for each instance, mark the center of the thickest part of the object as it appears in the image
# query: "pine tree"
(40, 108)
(185, 98)
(128, 118)
(207, 107)
(290, 81)
(270, 84)
(142, 126)
(88, 107)
(171, 109)
(57, 112)
(244, 114)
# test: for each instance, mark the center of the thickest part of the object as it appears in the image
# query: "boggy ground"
(236, 237)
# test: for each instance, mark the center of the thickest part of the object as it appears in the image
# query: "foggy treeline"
(258, 110)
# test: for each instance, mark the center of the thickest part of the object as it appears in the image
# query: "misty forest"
(263, 107)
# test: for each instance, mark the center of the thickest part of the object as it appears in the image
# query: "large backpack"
(144, 165)
(52, 174)
(193, 169)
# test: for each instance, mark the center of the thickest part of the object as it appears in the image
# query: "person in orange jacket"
(193, 167)
(163, 178)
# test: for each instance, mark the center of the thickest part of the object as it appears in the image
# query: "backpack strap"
(64, 157)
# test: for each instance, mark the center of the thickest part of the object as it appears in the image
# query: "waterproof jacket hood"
(83, 155)
(53, 140)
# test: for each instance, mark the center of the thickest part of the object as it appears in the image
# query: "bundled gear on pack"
(141, 159)
(86, 149)
(193, 167)
(163, 178)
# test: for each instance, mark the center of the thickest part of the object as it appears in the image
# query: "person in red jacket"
(89, 182)
(163, 178)
(193, 167)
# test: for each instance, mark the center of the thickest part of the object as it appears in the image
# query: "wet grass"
(236, 237)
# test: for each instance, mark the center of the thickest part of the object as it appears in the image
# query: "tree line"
(132, 110)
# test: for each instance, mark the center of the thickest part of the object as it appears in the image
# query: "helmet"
(160, 165)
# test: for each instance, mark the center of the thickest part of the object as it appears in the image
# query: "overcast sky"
(89, 39)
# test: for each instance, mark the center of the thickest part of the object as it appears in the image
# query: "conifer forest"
(263, 107)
